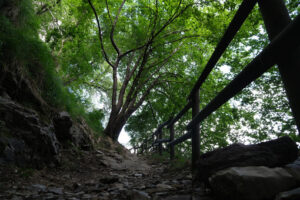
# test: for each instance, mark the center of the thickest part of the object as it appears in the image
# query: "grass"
(180, 162)
(19, 42)
(26, 172)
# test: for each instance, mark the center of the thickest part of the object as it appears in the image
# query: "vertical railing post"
(152, 145)
(276, 18)
(134, 150)
(160, 144)
(145, 145)
(142, 148)
(172, 152)
(195, 131)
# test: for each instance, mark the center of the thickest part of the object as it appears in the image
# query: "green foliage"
(156, 158)
(26, 172)
(180, 163)
(260, 112)
(20, 43)
(75, 70)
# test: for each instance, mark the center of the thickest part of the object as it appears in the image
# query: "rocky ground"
(100, 174)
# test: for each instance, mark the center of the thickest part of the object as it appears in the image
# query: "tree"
(140, 64)
(260, 112)
(161, 47)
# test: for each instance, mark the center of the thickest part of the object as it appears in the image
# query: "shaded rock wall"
(69, 132)
(25, 140)
(31, 134)
(32, 139)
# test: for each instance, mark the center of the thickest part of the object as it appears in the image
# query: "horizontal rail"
(239, 18)
(282, 45)
(161, 127)
(154, 144)
(180, 114)
(157, 131)
(162, 140)
(181, 139)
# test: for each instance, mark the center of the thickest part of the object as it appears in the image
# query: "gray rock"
(274, 153)
(289, 195)
(56, 190)
(139, 195)
(62, 124)
(251, 183)
(295, 164)
(138, 175)
(179, 197)
(39, 187)
(164, 186)
(25, 140)
(67, 131)
(16, 198)
(109, 180)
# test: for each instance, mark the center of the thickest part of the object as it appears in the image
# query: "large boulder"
(251, 183)
(295, 164)
(76, 133)
(62, 123)
(25, 140)
(289, 195)
(273, 153)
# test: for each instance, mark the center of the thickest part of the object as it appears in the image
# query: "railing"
(279, 51)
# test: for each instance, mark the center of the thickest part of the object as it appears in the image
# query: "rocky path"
(105, 175)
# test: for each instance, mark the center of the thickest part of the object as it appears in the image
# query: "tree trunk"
(273, 153)
(114, 126)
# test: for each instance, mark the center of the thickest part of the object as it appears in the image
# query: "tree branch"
(94, 85)
(100, 34)
(146, 93)
(111, 22)
(176, 40)
(46, 7)
(171, 19)
(113, 28)
(152, 110)
(145, 55)
(173, 33)
(155, 19)
(166, 59)
(124, 84)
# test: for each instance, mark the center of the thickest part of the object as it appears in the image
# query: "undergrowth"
(178, 163)
(19, 41)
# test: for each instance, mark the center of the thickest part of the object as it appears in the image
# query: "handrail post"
(276, 18)
(160, 144)
(142, 148)
(145, 146)
(195, 130)
(152, 144)
(172, 151)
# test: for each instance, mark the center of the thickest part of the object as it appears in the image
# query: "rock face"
(62, 124)
(29, 134)
(271, 154)
(24, 139)
(251, 183)
(69, 132)
(15, 86)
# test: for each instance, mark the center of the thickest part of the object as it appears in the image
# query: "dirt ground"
(100, 174)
